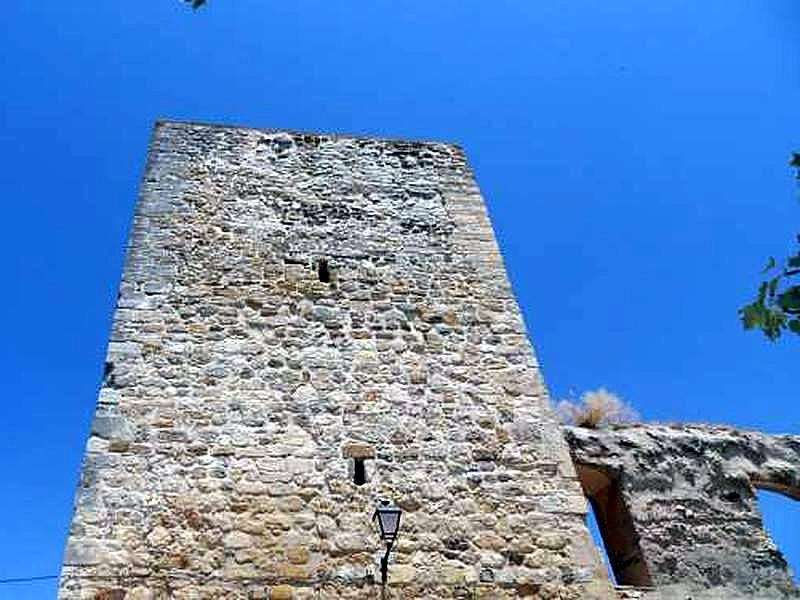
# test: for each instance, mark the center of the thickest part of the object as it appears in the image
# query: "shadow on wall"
(597, 538)
(615, 526)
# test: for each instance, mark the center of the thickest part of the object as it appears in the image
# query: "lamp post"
(388, 518)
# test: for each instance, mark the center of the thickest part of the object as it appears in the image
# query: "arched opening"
(780, 511)
(615, 525)
(597, 538)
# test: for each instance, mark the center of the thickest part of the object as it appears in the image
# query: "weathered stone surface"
(688, 491)
(358, 450)
(281, 592)
(284, 297)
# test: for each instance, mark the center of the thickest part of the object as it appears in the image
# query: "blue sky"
(633, 155)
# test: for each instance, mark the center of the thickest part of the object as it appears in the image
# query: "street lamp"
(388, 518)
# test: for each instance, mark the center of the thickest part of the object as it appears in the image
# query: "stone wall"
(292, 302)
(680, 508)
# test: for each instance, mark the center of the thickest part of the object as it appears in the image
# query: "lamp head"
(388, 518)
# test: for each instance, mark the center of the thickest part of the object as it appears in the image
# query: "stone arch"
(786, 483)
(691, 495)
(782, 484)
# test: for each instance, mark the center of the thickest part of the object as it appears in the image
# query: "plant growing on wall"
(595, 409)
(777, 305)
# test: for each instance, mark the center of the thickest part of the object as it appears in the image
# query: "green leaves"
(777, 304)
(789, 300)
(758, 315)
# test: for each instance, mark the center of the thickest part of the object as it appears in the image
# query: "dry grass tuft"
(595, 409)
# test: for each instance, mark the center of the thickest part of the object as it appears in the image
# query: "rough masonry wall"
(689, 492)
(239, 386)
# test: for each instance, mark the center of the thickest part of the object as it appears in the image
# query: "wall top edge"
(189, 124)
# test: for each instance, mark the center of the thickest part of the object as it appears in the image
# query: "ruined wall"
(239, 386)
(684, 498)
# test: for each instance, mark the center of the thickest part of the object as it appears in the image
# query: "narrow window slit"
(359, 471)
(323, 271)
(108, 373)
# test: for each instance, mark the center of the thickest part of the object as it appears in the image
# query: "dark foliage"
(777, 306)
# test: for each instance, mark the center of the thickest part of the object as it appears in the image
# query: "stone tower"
(307, 324)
